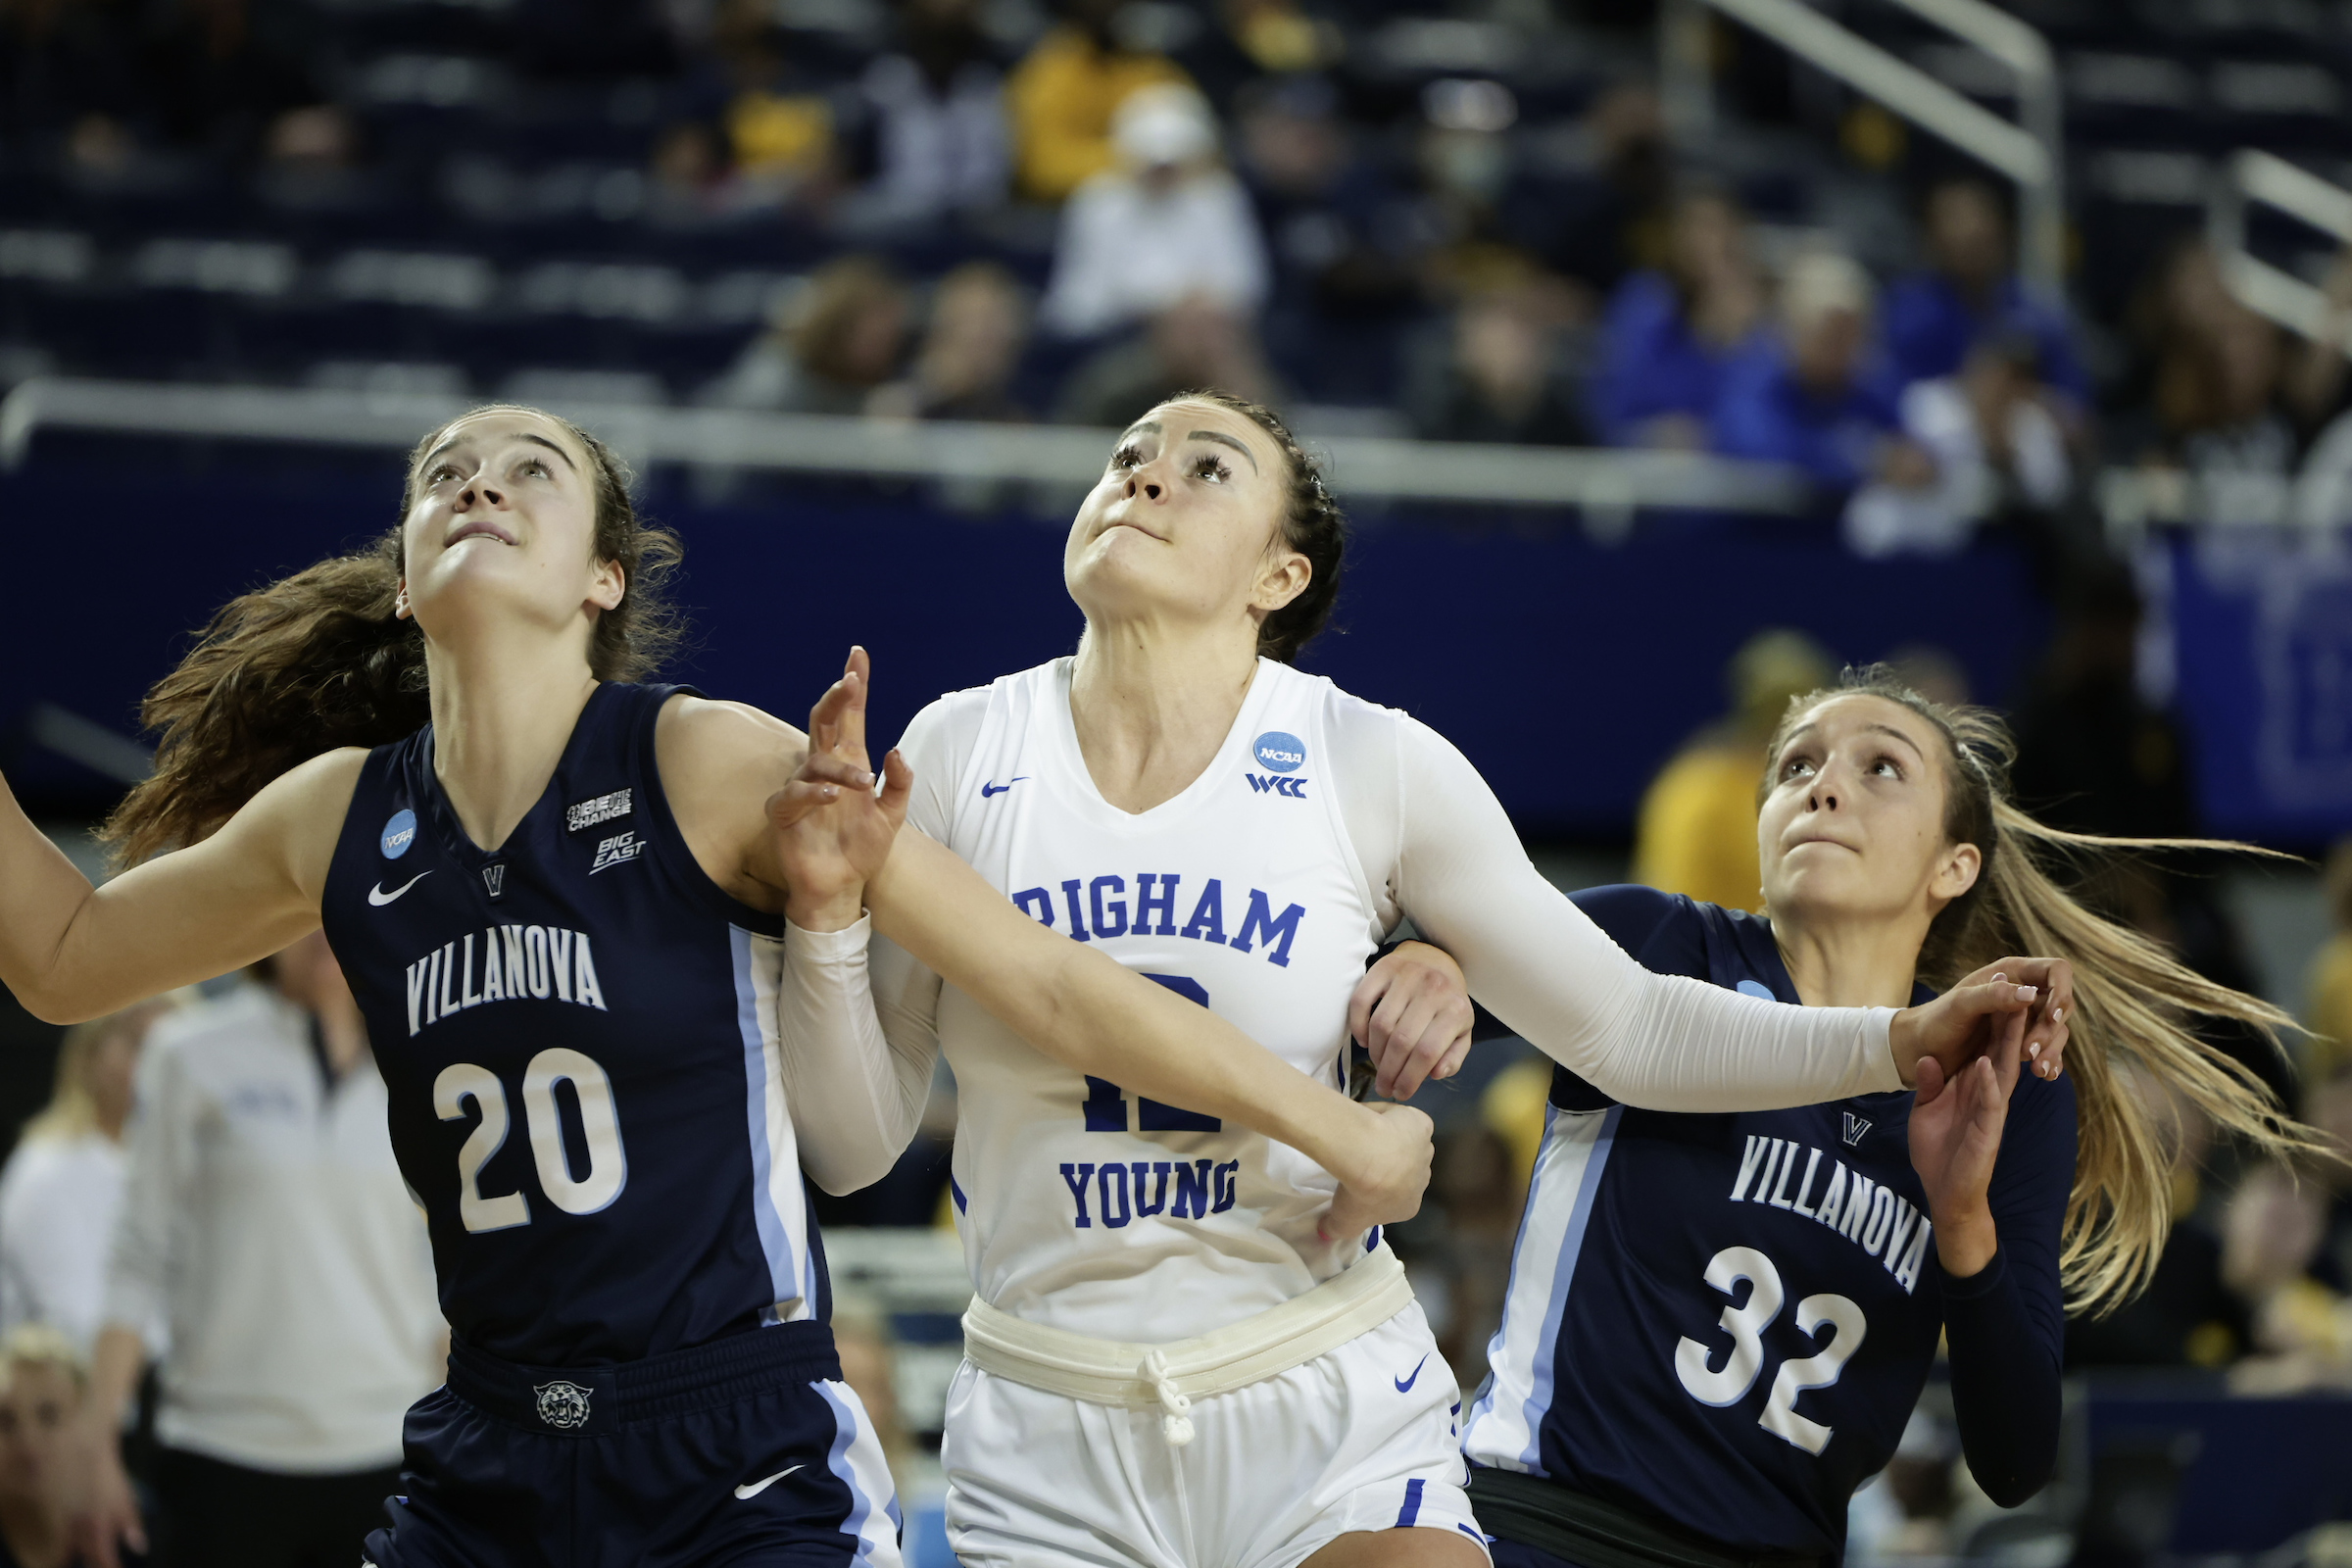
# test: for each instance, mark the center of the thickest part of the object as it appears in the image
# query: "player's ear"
(1957, 871)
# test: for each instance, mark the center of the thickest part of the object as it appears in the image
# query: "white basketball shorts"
(1363, 1437)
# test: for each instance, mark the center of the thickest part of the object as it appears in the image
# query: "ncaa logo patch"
(1279, 751)
(400, 831)
(1756, 989)
(564, 1405)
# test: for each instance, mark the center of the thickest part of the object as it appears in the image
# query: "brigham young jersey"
(578, 1037)
(1725, 1320)
(1080, 1203)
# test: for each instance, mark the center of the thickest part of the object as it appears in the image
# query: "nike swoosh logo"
(380, 897)
(757, 1487)
(987, 790)
(1405, 1385)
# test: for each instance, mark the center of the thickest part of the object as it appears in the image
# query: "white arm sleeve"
(1540, 965)
(855, 1097)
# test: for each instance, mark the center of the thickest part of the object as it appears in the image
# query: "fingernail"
(2034, 1050)
(2028, 993)
(2056, 1014)
(828, 792)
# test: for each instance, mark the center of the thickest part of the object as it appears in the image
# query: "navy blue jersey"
(1725, 1320)
(578, 1036)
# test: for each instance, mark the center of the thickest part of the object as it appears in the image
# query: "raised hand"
(1412, 1012)
(1958, 1027)
(1387, 1173)
(1956, 1128)
(833, 831)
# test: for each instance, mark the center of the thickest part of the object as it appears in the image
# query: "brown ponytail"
(2135, 1003)
(318, 660)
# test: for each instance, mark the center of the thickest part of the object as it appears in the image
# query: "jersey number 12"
(1106, 1103)
(608, 1165)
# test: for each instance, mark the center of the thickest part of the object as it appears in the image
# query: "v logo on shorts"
(753, 1489)
(1405, 1385)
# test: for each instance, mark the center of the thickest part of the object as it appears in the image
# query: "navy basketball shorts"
(748, 1450)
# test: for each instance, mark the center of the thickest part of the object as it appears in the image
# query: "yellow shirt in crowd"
(1061, 99)
(1696, 833)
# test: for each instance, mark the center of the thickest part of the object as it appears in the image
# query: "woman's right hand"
(1963, 1023)
(109, 1516)
(1412, 1012)
(1386, 1173)
(834, 833)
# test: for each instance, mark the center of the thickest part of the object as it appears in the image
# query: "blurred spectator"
(2328, 1105)
(1460, 1252)
(2275, 1228)
(1168, 223)
(838, 341)
(1061, 99)
(1192, 344)
(1697, 830)
(2328, 1051)
(689, 179)
(2208, 398)
(1464, 158)
(64, 1184)
(2188, 1316)
(1814, 399)
(43, 1449)
(1250, 39)
(971, 346)
(65, 64)
(1970, 291)
(937, 120)
(779, 116)
(1502, 380)
(218, 75)
(1668, 335)
(862, 1334)
(1330, 218)
(1613, 217)
(265, 1221)
(1995, 447)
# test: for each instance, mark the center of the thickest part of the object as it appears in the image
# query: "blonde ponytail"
(2136, 1004)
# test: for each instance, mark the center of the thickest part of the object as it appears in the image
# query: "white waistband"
(1169, 1377)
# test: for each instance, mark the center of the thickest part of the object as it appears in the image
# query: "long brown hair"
(318, 660)
(2136, 1004)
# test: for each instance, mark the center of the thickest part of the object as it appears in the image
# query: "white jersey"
(1259, 892)
(1083, 1205)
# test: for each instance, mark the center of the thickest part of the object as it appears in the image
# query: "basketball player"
(1170, 1361)
(592, 967)
(1718, 1326)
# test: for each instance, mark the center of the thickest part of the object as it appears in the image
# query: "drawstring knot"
(1174, 1424)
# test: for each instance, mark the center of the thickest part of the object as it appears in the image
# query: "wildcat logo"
(562, 1405)
(617, 850)
(1855, 1127)
(494, 878)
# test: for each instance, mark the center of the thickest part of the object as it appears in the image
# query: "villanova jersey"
(1082, 1204)
(578, 1036)
(1725, 1320)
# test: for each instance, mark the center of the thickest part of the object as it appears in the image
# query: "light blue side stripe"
(1484, 1400)
(875, 1545)
(1538, 1400)
(775, 1241)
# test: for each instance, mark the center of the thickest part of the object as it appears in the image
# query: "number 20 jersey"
(1082, 1204)
(1726, 1320)
(577, 1032)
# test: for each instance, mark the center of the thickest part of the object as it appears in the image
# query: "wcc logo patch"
(1281, 754)
(1855, 1128)
(562, 1405)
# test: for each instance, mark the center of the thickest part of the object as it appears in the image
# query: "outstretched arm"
(69, 952)
(1662, 1041)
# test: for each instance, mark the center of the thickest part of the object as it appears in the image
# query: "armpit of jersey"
(1660, 1041)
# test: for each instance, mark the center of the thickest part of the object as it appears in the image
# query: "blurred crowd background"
(1405, 219)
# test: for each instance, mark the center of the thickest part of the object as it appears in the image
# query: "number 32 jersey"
(1726, 1320)
(1080, 1203)
(578, 1036)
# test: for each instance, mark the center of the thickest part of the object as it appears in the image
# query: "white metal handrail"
(2029, 153)
(1362, 468)
(2252, 177)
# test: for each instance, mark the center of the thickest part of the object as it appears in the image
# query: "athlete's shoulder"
(703, 732)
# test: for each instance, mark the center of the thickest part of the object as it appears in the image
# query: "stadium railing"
(2029, 153)
(1609, 483)
(2253, 177)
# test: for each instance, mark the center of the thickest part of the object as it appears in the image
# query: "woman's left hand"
(1412, 1012)
(1956, 1136)
(833, 833)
